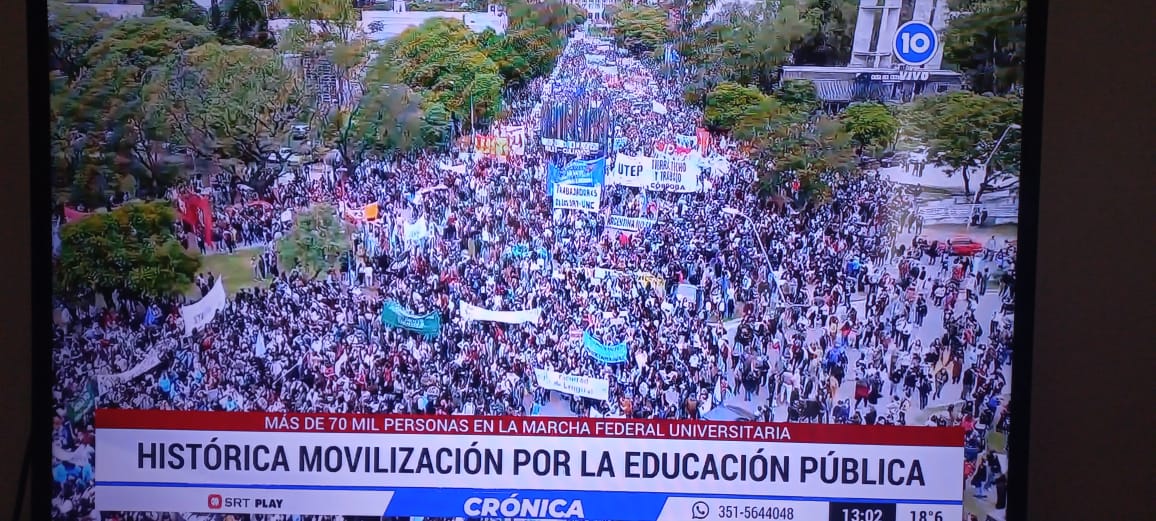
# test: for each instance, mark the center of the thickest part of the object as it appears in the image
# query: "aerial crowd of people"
(725, 299)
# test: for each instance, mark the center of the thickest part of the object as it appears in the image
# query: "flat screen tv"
(321, 260)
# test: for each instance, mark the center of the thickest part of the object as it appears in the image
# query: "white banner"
(471, 312)
(516, 138)
(633, 171)
(632, 224)
(674, 175)
(585, 386)
(202, 312)
(416, 230)
(584, 198)
(107, 381)
(660, 174)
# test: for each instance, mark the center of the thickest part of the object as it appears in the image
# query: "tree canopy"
(72, 31)
(986, 40)
(316, 242)
(132, 249)
(962, 130)
(104, 132)
(727, 103)
(791, 145)
(746, 43)
(872, 126)
(640, 29)
(235, 103)
(443, 60)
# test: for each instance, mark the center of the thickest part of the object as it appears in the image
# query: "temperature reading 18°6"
(862, 512)
(925, 515)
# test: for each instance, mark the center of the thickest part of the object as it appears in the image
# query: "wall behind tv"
(1091, 445)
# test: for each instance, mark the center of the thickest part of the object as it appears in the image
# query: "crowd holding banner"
(426, 313)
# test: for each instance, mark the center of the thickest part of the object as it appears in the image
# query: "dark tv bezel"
(40, 446)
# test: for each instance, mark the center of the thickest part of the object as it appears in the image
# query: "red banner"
(703, 141)
(73, 215)
(197, 212)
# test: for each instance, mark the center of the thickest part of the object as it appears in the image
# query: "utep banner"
(632, 171)
(615, 354)
(471, 312)
(393, 315)
(577, 172)
(202, 312)
(584, 198)
(481, 467)
(584, 386)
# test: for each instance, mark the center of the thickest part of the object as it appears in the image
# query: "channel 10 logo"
(915, 43)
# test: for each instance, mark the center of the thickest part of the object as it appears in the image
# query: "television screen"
(321, 260)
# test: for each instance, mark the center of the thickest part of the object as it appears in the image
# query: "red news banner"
(529, 426)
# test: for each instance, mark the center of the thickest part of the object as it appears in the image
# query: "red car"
(964, 246)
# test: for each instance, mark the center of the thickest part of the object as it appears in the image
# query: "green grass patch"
(236, 268)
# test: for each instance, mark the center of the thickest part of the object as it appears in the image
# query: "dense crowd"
(843, 314)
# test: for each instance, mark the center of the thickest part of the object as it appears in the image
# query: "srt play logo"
(217, 502)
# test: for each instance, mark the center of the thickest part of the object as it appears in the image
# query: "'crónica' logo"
(524, 508)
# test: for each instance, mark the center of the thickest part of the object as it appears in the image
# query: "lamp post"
(770, 271)
(991, 156)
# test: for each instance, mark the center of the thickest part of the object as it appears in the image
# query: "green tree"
(72, 31)
(640, 29)
(386, 120)
(132, 249)
(523, 53)
(186, 10)
(746, 44)
(318, 240)
(872, 126)
(241, 22)
(107, 102)
(832, 33)
(799, 94)
(233, 103)
(727, 103)
(986, 40)
(962, 130)
(790, 145)
(443, 60)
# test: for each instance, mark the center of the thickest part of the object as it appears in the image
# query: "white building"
(595, 9)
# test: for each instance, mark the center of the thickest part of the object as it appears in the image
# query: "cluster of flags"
(584, 121)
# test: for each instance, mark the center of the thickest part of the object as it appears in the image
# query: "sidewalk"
(933, 177)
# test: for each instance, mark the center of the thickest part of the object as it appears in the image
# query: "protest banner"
(584, 198)
(584, 386)
(674, 175)
(393, 315)
(630, 224)
(577, 172)
(635, 171)
(202, 312)
(703, 136)
(607, 354)
(471, 312)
